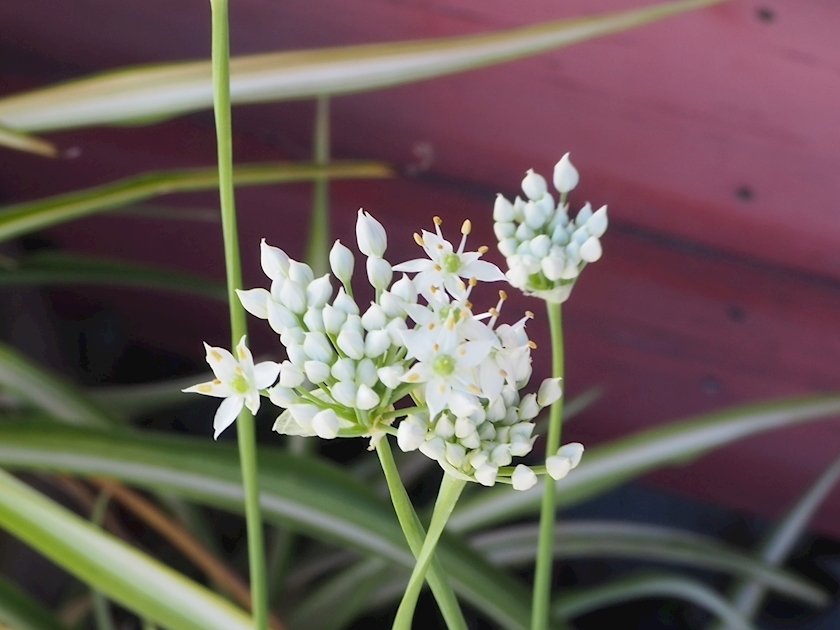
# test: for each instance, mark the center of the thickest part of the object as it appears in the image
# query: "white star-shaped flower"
(237, 380)
(446, 267)
(444, 363)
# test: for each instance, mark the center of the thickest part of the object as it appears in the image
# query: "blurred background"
(714, 137)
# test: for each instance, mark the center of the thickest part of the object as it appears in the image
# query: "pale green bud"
(342, 262)
(534, 185)
(370, 235)
(523, 478)
(565, 175)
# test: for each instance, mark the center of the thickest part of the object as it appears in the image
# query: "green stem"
(245, 422)
(545, 544)
(415, 534)
(318, 246)
(450, 490)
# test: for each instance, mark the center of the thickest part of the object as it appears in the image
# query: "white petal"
(226, 414)
(558, 467)
(437, 395)
(572, 450)
(252, 401)
(415, 266)
(550, 392)
(366, 398)
(275, 262)
(344, 393)
(210, 388)
(265, 374)
(325, 424)
(221, 362)
(485, 474)
(410, 435)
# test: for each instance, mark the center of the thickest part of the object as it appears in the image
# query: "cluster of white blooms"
(544, 248)
(347, 368)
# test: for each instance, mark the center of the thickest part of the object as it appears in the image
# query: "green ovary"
(239, 384)
(451, 263)
(443, 365)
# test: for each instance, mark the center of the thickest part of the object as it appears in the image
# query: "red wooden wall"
(714, 137)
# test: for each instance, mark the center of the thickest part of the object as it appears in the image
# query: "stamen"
(435, 347)
(466, 227)
(437, 267)
(502, 295)
(418, 239)
(462, 351)
(433, 288)
(468, 304)
(529, 315)
(503, 373)
(483, 249)
(437, 220)
(238, 370)
(473, 281)
(431, 326)
(532, 345)
(216, 381)
(493, 311)
(441, 388)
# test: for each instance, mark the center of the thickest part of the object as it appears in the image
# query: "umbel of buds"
(417, 352)
(545, 249)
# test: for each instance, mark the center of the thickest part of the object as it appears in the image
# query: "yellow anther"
(474, 389)
(216, 381)
(418, 239)
(437, 220)
(473, 281)
(441, 388)
(468, 304)
(466, 227)
(435, 347)
(483, 249)
(431, 326)
(493, 312)
(238, 370)
(462, 351)
(529, 315)
(532, 345)
(439, 246)
(433, 289)
(503, 373)
(437, 267)
(502, 295)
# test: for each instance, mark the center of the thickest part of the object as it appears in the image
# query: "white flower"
(370, 235)
(444, 363)
(237, 381)
(341, 262)
(550, 392)
(445, 267)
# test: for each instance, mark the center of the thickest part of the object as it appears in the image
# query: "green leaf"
(21, 612)
(516, 546)
(59, 268)
(24, 142)
(122, 573)
(35, 215)
(305, 494)
(747, 597)
(612, 464)
(134, 400)
(581, 601)
(152, 92)
(48, 392)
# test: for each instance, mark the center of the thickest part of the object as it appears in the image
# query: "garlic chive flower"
(237, 380)
(544, 248)
(351, 367)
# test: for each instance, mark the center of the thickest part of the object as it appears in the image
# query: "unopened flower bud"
(502, 210)
(411, 434)
(534, 185)
(504, 230)
(318, 292)
(345, 303)
(274, 261)
(351, 343)
(344, 369)
(584, 215)
(366, 398)
(366, 373)
(596, 225)
(455, 454)
(333, 319)
(325, 424)
(379, 272)
(377, 343)
(293, 297)
(300, 272)
(523, 478)
(390, 375)
(552, 267)
(572, 450)
(406, 289)
(341, 262)
(318, 347)
(370, 235)
(374, 318)
(565, 175)
(316, 371)
(313, 318)
(485, 474)
(591, 250)
(549, 392)
(534, 217)
(283, 397)
(290, 375)
(344, 393)
(540, 245)
(255, 301)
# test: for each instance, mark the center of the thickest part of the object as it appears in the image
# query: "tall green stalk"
(245, 421)
(545, 545)
(415, 536)
(318, 245)
(450, 490)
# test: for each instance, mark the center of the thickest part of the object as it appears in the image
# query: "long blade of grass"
(60, 268)
(612, 464)
(35, 215)
(516, 546)
(748, 596)
(305, 494)
(119, 571)
(27, 143)
(19, 611)
(579, 602)
(150, 93)
(48, 392)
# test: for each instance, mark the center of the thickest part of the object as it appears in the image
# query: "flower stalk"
(245, 424)
(545, 542)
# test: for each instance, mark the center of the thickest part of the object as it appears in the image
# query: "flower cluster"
(544, 248)
(417, 352)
